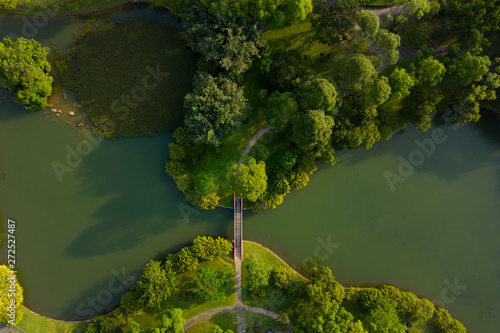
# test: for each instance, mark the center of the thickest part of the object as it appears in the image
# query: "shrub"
(446, 324)
(282, 277)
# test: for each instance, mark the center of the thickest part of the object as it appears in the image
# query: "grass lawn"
(264, 321)
(219, 163)
(193, 305)
(226, 321)
(275, 299)
(145, 76)
(34, 323)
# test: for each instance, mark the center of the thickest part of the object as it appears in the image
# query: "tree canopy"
(24, 70)
(215, 108)
(248, 179)
(229, 42)
(156, 284)
(7, 280)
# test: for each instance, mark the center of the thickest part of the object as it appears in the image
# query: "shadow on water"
(9, 109)
(143, 200)
(470, 147)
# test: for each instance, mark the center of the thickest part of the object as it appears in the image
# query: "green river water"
(437, 234)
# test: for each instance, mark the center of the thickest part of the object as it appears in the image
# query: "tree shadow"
(463, 148)
(143, 199)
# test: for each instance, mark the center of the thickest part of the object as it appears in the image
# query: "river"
(434, 231)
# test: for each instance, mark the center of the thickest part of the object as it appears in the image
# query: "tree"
(229, 42)
(465, 107)
(24, 70)
(185, 260)
(358, 69)
(211, 285)
(330, 317)
(172, 321)
(336, 21)
(428, 72)
(217, 329)
(386, 47)
(134, 327)
(205, 183)
(446, 324)
(383, 318)
(288, 160)
(215, 108)
(281, 186)
(312, 130)
(275, 13)
(156, 284)
(317, 93)
(279, 107)
(11, 297)
(207, 248)
(369, 24)
(369, 297)
(249, 179)
(473, 19)
(258, 276)
(468, 68)
(282, 277)
(401, 83)
(287, 66)
(379, 92)
(323, 287)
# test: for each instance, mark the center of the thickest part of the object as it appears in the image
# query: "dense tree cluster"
(24, 70)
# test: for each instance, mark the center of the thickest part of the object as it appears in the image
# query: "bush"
(205, 183)
(446, 324)
(174, 168)
(369, 297)
(286, 67)
(207, 248)
(260, 152)
(288, 160)
(184, 260)
(282, 277)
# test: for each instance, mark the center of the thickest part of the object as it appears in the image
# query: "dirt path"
(254, 139)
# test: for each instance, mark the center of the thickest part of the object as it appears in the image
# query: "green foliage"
(383, 318)
(205, 183)
(369, 24)
(468, 68)
(24, 70)
(358, 70)
(387, 43)
(379, 92)
(108, 324)
(260, 152)
(428, 72)
(249, 179)
(312, 130)
(134, 327)
(281, 186)
(288, 160)
(287, 66)
(184, 260)
(446, 324)
(401, 83)
(209, 201)
(368, 297)
(323, 287)
(258, 275)
(275, 13)
(8, 286)
(473, 20)
(211, 285)
(466, 104)
(130, 304)
(207, 248)
(215, 108)
(229, 42)
(172, 321)
(156, 284)
(282, 277)
(279, 108)
(423, 104)
(317, 93)
(336, 21)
